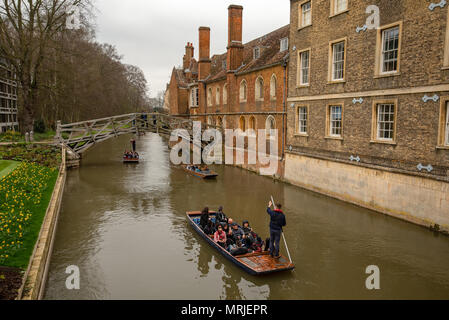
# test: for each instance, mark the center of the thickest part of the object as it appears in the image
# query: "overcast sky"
(152, 34)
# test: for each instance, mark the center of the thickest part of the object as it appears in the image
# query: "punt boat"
(130, 160)
(209, 174)
(257, 263)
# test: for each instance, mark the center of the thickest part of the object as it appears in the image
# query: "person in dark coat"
(221, 217)
(204, 220)
(277, 221)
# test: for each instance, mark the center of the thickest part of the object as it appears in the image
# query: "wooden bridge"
(80, 136)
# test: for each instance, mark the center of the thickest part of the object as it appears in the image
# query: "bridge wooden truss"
(80, 136)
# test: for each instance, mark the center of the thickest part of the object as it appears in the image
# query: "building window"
(225, 94)
(194, 97)
(302, 120)
(446, 142)
(284, 44)
(217, 96)
(305, 14)
(243, 91)
(273, 87)
(220, 122)
(338, 57)
(259, 88)
(242, 124)
(252, 123)
(270, 124)
(335, 121)
(256, 53)
(209, 97)
(385, 121)
(388, 49)
(338, 6)
(304, 67)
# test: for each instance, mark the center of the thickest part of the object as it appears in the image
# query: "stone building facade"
(8, 98)
(244, 88)
(368, 105)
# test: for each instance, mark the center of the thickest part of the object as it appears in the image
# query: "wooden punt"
(130, 160)
(202, 174)
(259, 263)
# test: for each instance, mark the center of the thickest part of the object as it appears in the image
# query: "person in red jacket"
(220, 237)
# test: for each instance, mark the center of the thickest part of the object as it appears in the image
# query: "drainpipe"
(285, 64)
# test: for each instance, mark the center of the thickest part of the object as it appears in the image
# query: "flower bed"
(24, 197)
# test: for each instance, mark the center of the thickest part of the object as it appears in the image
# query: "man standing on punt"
(276, 223)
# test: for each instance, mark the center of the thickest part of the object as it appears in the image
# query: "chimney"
(235, 46)
(188, 56)
(204, 55)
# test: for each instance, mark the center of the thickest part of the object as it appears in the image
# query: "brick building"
(368, 115)
(242, 88)
(8, 98)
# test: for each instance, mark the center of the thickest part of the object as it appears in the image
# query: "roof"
(269, 44)
(270, 54)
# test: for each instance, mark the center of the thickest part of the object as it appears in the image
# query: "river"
(125, 228)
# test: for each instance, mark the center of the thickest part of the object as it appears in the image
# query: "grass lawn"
(6, 166)
(24, 197)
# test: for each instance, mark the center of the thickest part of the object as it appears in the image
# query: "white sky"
(152, 34)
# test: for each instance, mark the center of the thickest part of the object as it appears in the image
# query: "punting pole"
(283, 237)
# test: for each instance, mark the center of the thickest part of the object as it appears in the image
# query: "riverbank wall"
(36, 274)
(417, 199)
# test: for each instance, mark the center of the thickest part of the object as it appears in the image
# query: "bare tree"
(28, 29)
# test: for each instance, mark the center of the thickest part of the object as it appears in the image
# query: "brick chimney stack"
(235, 45)
(204, 55)
(188, 56)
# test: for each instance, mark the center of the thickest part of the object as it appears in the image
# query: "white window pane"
(306, 14)
(304, 71)
(338, 64)
(335, 120)
(385, 121)
(390, 49)
(340, 5)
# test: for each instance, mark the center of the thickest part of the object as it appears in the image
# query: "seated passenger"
(237, 233)
(238, 249)
(210, 228)
(220, 237)
(221, 216)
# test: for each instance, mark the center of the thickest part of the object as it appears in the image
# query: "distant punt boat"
(201, 174)
(130, 160)
(258, 263)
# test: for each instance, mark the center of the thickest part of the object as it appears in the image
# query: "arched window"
(210, 121)
(219, 122)
(217, 96)
(273, 87)
(252, 123)
(242, 124)
(270, 124)
(209, 97)
(259, 88)
(225, 94)
(243, 91)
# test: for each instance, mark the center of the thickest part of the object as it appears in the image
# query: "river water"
(125, 228)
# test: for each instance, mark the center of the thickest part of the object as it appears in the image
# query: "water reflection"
(125, 227)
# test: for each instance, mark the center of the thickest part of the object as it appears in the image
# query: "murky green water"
(124, 226)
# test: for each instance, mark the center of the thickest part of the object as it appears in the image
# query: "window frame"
(259, 89)
(375, 118)
(273, 90)
(243, 97)
(329, 134)
(332, 63)
(256, 53)
(194, 97)
(283, 40)
(333, 5)
(443, 127)
(268, 134)
(217, 95)
(225, 94)
(300, 69)
(298, 132)
(209, 96)
(380, 47)
(300, 14)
